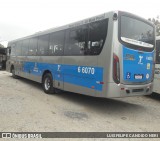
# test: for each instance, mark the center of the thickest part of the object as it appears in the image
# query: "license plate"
(138, 76)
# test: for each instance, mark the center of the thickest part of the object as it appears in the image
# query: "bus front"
(133, 55)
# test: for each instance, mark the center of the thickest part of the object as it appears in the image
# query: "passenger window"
(97, 35)
(86, 39)
(56, 43)
(18, 48)
(25, 45)
(43, 45)
(76, 42)
(32, 47)
(13, 49)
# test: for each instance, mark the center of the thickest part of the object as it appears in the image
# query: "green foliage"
(156, 21)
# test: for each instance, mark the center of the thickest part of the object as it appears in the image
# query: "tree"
(156, 21)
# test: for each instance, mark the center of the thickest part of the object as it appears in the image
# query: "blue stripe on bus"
(86, 76)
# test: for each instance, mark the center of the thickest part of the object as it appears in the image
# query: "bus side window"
(43, 45)
(25, 47)
(13, 49)
(56, 43)
(76, 41)
(32, 47)
(97, 36)
(18, 48)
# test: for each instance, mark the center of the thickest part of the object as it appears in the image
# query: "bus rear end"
(133, 56)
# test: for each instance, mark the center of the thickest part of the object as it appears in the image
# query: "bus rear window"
(136, 32)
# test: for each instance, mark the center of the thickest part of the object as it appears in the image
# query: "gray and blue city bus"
(109, 55)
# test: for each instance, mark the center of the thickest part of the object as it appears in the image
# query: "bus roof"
(74, 24)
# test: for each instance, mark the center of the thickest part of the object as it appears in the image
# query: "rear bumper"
(121, 90)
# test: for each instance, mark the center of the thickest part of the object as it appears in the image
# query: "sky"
(19, 18)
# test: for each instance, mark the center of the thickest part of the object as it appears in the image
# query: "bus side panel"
(105, 60)
(35, 68)
(77, 77)
(18, 66)
(27, 68)
(54, 65)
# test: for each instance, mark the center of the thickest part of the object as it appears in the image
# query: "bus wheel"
(47, 83)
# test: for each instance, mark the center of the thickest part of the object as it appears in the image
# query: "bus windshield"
(136, 32)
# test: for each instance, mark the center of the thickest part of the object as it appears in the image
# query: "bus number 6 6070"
(86, 70)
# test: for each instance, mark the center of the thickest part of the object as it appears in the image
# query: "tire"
(48, 83)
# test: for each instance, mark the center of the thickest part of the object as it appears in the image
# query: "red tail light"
(116, 69)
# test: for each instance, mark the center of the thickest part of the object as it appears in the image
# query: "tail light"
(116, 69)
